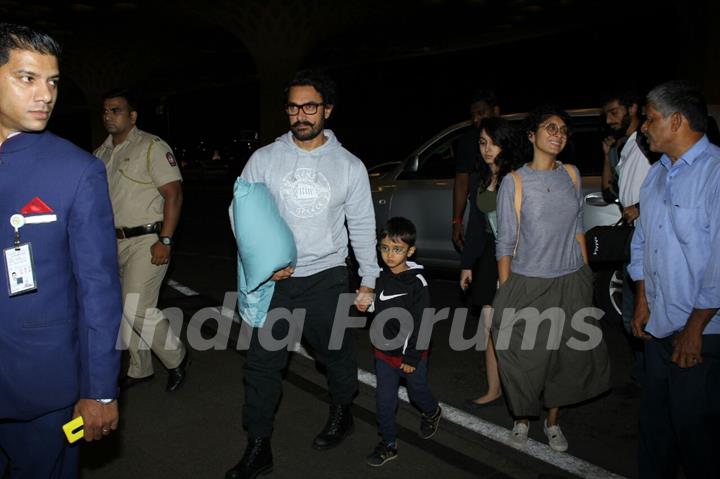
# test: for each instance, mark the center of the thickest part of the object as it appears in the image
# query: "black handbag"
(609, 244)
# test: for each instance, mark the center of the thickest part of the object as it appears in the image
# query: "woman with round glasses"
(547, 335)
(498, 150)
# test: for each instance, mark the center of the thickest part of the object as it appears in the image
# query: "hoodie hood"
(409, 276)
(331, 144)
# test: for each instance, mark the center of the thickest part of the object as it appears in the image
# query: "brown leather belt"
(126, 232)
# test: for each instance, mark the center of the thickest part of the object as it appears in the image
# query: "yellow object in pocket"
(74, 429)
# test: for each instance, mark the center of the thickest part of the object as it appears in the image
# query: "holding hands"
(364, 298)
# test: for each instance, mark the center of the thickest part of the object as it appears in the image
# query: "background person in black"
(483, 104)
(627, 161)
(402, 287)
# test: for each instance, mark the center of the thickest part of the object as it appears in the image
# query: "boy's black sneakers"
(383, 453)
(429, 423)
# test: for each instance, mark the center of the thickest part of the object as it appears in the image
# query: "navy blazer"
(58, 343)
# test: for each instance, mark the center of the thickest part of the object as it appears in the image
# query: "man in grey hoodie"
(319, 186)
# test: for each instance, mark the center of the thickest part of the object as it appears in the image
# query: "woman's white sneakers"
(519, 434)
(556, 439)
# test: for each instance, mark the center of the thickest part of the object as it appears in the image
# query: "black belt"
(125, 232)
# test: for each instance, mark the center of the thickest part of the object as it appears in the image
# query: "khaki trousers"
(144, 327)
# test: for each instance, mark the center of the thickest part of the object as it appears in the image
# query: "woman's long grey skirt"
(549, 343)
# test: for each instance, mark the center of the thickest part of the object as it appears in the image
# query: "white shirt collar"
(14, 133)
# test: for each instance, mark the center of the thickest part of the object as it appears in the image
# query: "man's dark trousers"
(38, 448)
(680, 413)
(318, 295)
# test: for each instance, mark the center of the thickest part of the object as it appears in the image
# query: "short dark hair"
(399, 228)
(122, 92)
(682, 97)
(21, 37)
(626, 98)
(536, 117)
(486, 96)
(318, 80)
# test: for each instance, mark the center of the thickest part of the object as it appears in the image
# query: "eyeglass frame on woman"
(553, 129)
(305, 107)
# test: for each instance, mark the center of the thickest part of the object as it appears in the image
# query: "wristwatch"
(105, 401)
(166, 240)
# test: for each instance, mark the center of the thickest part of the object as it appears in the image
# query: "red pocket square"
(35, 206)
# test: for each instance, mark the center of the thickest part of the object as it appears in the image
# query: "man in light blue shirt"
(676, 263)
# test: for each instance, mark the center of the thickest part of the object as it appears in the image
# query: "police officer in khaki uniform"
(146, 195)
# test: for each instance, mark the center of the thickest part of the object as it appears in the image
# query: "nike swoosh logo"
(385, 298)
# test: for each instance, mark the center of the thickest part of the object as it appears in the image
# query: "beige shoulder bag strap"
(571, 171)
(518, 205)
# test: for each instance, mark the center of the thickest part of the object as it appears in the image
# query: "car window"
(380, 170)
(584, 148)
(438, 160)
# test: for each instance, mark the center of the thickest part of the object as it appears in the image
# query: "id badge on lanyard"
(19, 267)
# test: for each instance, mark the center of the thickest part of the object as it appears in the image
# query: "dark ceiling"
(193, 44)
(405, 61)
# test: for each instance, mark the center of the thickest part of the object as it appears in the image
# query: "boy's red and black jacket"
(409, 292)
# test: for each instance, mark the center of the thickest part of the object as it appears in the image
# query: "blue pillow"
(265, 242)
(253, 305)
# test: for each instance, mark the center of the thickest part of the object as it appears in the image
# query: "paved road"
(196, 432)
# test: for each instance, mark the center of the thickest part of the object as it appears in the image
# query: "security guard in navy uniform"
(146, 195)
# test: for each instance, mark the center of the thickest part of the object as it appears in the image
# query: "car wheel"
(608, 293)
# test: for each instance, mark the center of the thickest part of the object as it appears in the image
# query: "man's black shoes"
(177, 376)
(256, 461)
(339, 426)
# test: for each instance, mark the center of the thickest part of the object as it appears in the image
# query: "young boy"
(401, 285)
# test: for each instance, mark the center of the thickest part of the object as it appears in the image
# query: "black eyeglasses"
(307, 108)
(554, 129)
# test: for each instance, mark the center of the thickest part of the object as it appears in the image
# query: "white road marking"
(497, 433)
(533, 448)
(181, 288)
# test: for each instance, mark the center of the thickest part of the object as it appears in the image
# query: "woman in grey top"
(544, 349)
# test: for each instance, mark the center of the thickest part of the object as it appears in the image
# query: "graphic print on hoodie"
(316, 192)
(407, 290)
(306, 191)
